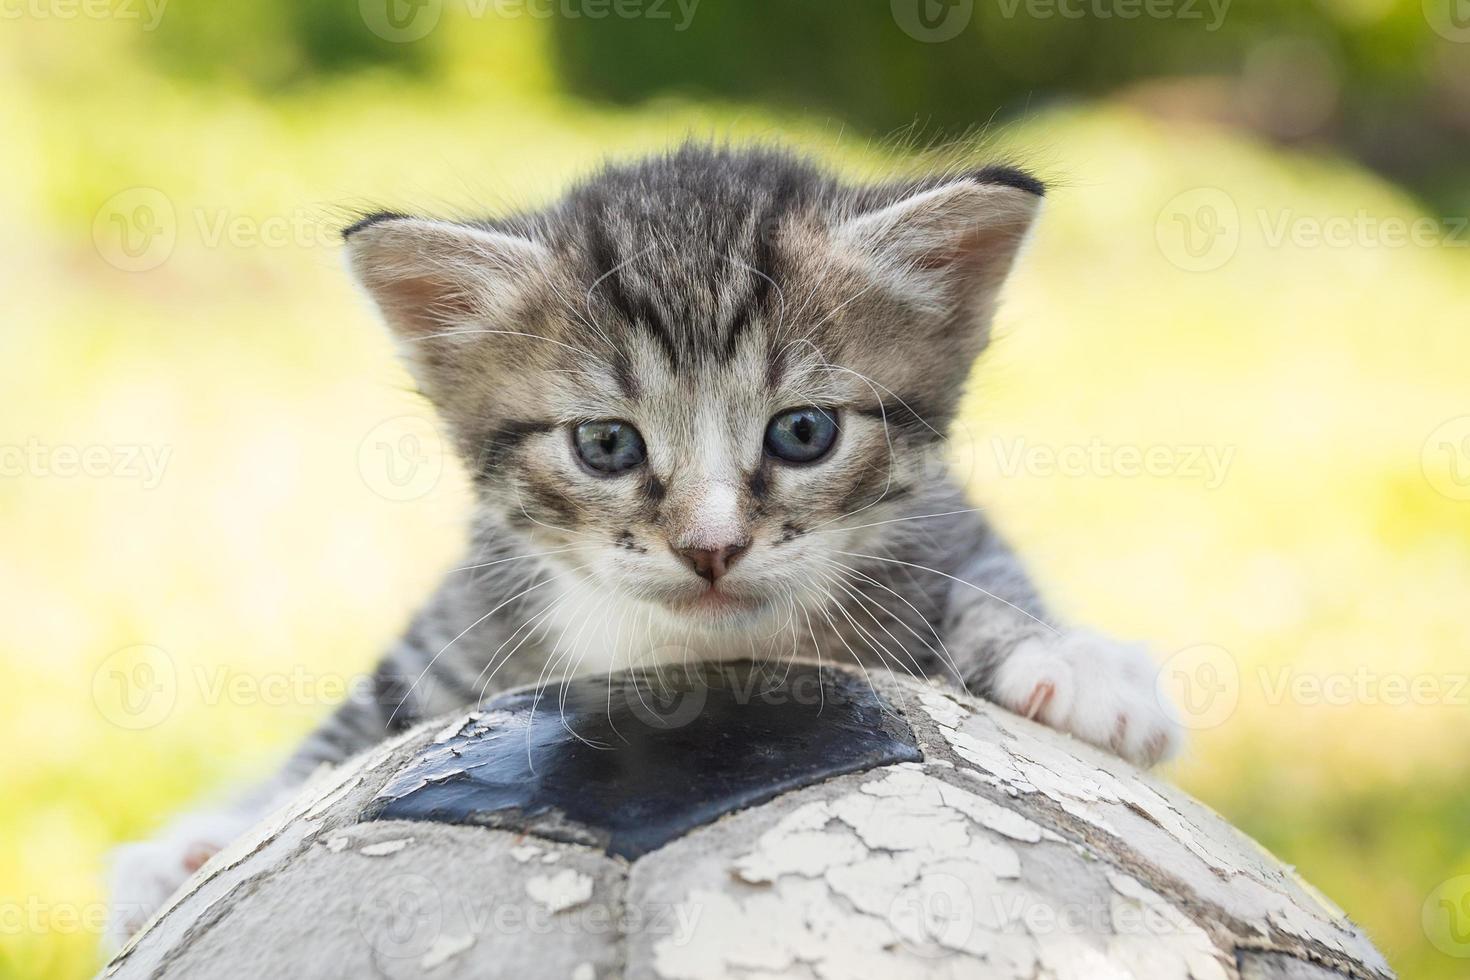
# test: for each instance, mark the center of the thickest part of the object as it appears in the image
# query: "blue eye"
(801, 435)
(609, 447)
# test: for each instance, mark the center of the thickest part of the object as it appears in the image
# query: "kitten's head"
(702, 377)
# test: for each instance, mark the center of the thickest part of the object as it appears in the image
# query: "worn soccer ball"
(740, 820)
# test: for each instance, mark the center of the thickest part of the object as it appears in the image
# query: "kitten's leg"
(144, 875)
(1095, 687)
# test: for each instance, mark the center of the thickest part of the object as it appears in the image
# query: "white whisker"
(435, 657)
(501, 561)
(948, 657)
(895, 520)
(954, 578)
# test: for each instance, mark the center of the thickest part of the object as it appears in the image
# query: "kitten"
(703, 401)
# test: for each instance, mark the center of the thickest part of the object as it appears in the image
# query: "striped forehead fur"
(702, 286)
(686, 248)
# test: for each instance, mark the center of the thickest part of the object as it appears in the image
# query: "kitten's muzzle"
(712, 563)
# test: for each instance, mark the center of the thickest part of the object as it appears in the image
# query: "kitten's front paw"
(1095, 687)
(146, 874)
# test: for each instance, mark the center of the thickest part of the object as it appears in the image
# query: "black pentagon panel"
(630, 762)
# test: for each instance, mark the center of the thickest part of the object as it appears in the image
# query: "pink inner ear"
(966, 250)
(965, 228)
(983, 232)
(427, 275)
(983, 251)
(422, 304)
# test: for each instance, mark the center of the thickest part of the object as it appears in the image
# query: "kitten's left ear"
(454, 296)
(951, 244)
(435, 279)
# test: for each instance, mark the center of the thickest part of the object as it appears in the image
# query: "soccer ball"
(745, 820)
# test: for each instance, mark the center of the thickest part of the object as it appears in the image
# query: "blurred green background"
(218, 501)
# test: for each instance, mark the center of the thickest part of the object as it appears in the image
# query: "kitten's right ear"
(434, 278)
(953, 243)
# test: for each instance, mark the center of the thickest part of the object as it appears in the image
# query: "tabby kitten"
(703, 399)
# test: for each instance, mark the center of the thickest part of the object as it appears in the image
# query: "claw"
(1041, 696)
(197, 855)
(1153, 749)
(1120, 734)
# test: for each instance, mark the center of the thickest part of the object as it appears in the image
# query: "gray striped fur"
(695, 294)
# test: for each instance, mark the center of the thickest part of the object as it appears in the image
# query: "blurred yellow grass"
(265, 559)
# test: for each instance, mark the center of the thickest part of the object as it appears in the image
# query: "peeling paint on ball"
(1006, 850)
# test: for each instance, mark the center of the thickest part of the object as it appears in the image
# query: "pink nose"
(711, 563)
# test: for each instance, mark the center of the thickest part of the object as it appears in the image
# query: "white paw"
(145, 875)
(1095, 687)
